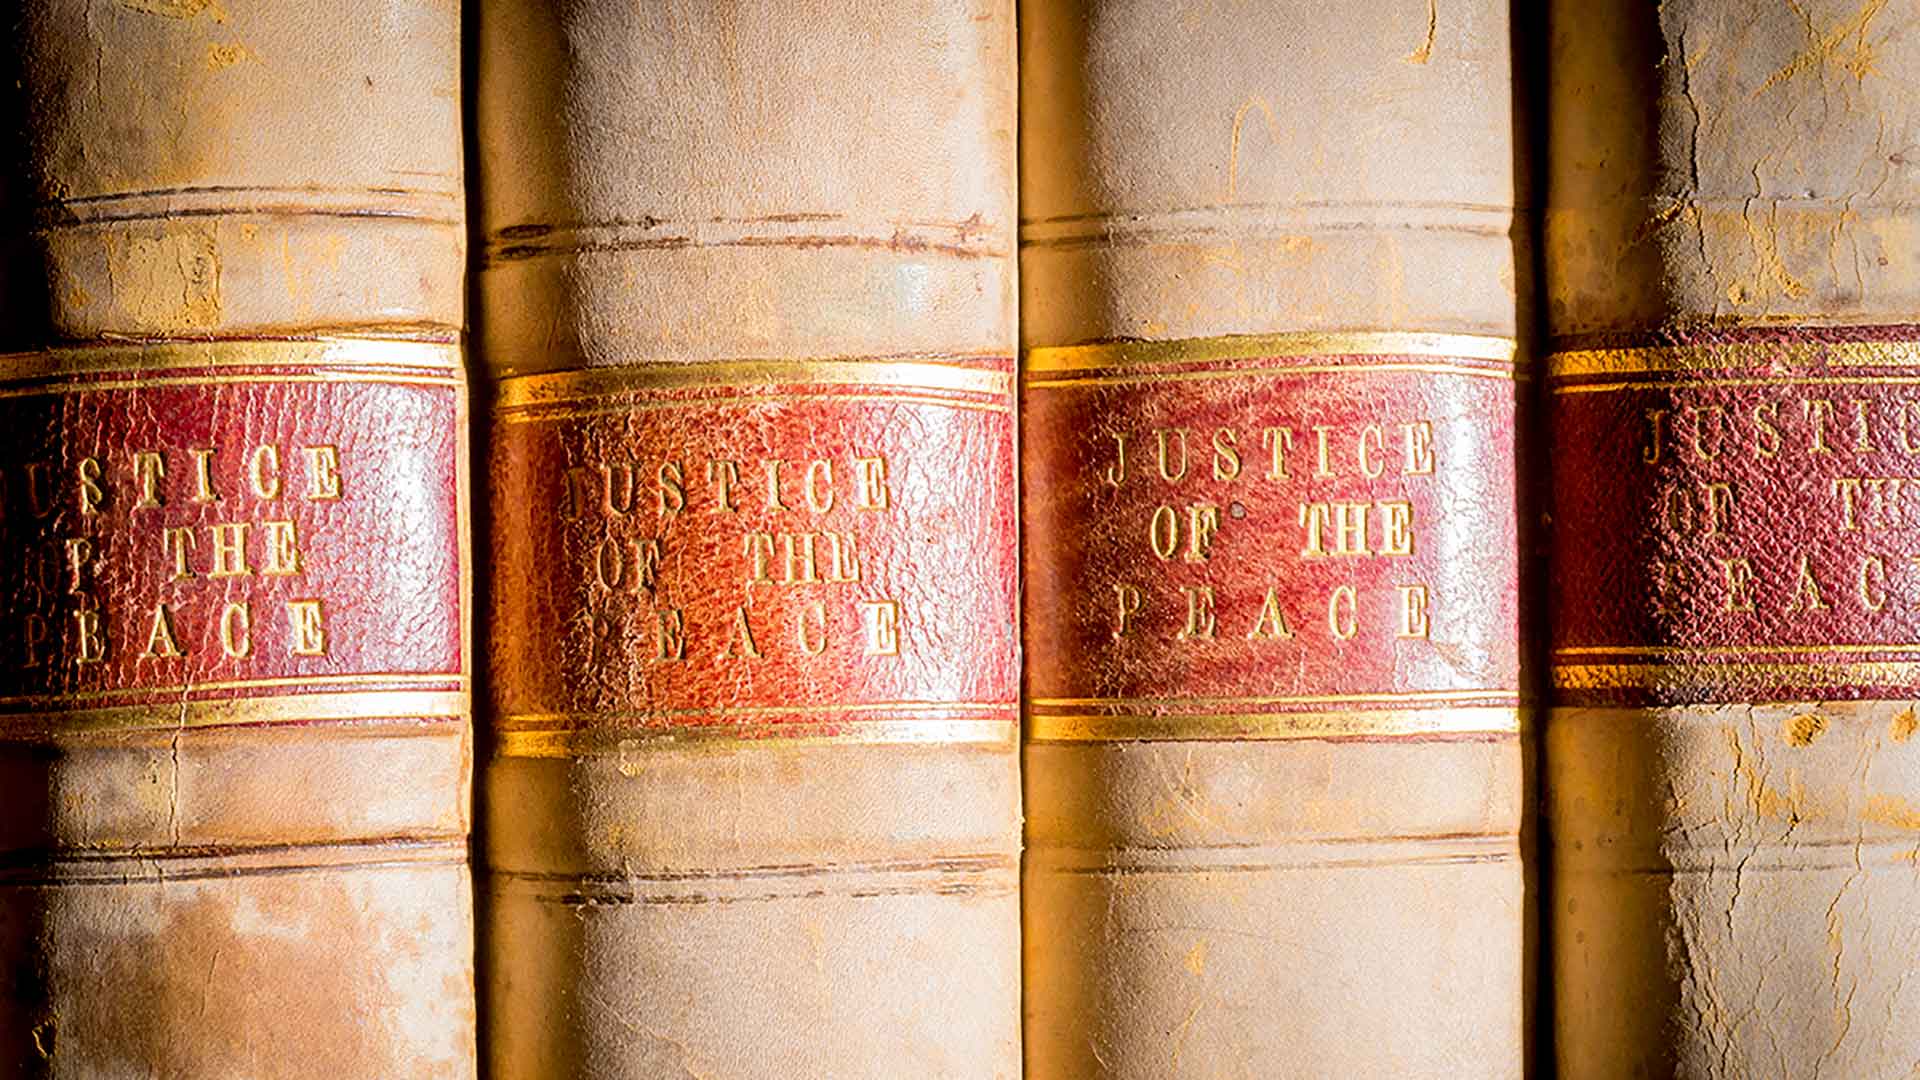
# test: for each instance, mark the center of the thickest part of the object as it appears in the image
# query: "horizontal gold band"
(1367, 367)
(583, 742)
(1682, 676)
(1407, 697)
(1784, 380)
(89, 360)
(1720, 355)
(1123, 354)
(1228, 726)
(561, 387)
(386, 681)
(1726, 650)
(631, 407)
(289, 708)
(649, 719)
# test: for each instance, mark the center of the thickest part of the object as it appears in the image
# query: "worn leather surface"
(714, 234)
(1731, 828)
(202, 874)
(1309, 907)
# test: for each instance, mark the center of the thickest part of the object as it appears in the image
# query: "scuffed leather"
(1267, 908)
(288, 900)
(684, 183)
(1733, 871)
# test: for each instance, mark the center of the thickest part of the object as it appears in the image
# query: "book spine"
(1731, 776)
(233, 662)
(747, 298)
(1270, 535)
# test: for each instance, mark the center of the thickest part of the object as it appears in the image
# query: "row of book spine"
(1107, 539)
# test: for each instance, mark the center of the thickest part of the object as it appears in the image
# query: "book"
(1730, 773)
(750, 805)
(1270, 310)
(233, 668)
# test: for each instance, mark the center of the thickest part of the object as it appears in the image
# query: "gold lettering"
(1370, 468)
(798, 548)
(1738, 574)
(819, 645)
(1203, 522)
(1419, 448)
(283, 549)
(33, 635)
(1129, 599)
(819, 485)
(759, 547)
(883, 627)
(229, 550)
(263, 470)
(323, 472)
(79, 554)
(1396, 527)
(149, 469)
(773, 484)
(1906, 440)
(1650, 453)
(1847, 488)
(1719, 499)
(93, 637)
(1226, 455)
(672, 496)
(1200, 619)
(1167, 471)
(1873, 594)
(673, 634)
(39, 498)
(870, 474)
(161, 642)
(1766, 440)
(1323, 460)
(743, 636)
(723, 474)
(1272, 622)
(1314, 518)
(1413, 611)
(1699, 442)
(845, 558)
(619, 492)
(236, 630)
(91, 493)
(307, 622)
(180, 540)
(1343, 626)
(1116, 473)
(1819, 413)
(1349, 528)
(1279, 440)
(1163, 532)
(1862, 436)
(1806, 591)
(203, 489)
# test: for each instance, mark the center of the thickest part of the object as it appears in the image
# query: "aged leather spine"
(1273, 768)
(1732, 781)
(751, 803)
(233, 671)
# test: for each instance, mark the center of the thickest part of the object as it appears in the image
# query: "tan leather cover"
(1232, 895)
(244, 864)
(1732, 837)
(734, 237)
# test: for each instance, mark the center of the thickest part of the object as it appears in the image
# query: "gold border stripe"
(1720, 355)
(1784, 380)
(1725, 650)
(1276, 372)
(1117, 354)
(349, 705)
(1338, 724)
(1684, 675)
(1409, 697)
(173, 355)
(546, 415)
(384, 680)
(648, 719)
(531, 391)
(579, 742)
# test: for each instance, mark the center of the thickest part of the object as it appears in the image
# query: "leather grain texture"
(1252, 849)
(751, 801)
(1732, 275)
(233, 699)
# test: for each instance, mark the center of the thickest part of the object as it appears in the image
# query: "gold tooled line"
(1228, 726)
(589, 384)
(386, 680)
(1675, 359)
(1681, 675)
(289, 708)
(1725, 650)
(342, 352)
(649, 718)
(102, 386)
(1363, 367)
(1128, 354)
(549, 414)
(1384, 698)
(580, 742)
(1784, 380)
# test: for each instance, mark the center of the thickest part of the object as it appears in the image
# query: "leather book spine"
(1273, 757)
(234, 745)
(750, 805)
(1732, 778)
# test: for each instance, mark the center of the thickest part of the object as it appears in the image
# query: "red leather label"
(754, 549)
(1736, 518)
(1301, 544)
(230, 533)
